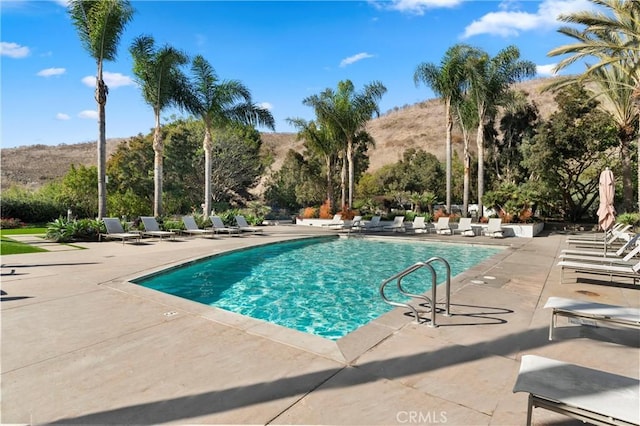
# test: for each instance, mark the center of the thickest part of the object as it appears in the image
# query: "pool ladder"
(432, 302)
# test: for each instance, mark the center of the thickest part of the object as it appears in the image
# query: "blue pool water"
(323, 286)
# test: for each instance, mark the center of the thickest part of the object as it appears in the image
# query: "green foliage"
(77, 190)
(60, 231)
(63, 231)
(568, 152)
(629, 219)
(170, 223)
(30, 206)
(296, 184)
(415, 180)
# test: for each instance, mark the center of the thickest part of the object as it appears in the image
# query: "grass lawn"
(23, 231)
(9, 246)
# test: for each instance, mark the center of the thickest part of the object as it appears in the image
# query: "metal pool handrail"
(432, 301)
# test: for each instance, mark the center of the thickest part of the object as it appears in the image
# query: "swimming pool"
(325, 286)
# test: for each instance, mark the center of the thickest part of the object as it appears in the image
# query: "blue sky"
(283, 51)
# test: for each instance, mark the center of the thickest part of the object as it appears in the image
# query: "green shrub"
(63, 231)
(60, 231)
(632, 219)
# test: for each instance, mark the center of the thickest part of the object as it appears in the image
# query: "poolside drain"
(170, 313)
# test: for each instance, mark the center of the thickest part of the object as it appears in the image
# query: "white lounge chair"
(628, 271)
(335, 223)
(464, 227)
(628, 259)
(373, 224)
(594, 312)
(397, 225)
(418, 225)
(244, 226)
(116, 231)
(494, 228)
(633, 242)
(612, 238)
(592, 396)
(600, 236)
(354, 224)
(152, 228)
(442, 226)
(217, 225)
(191, 227)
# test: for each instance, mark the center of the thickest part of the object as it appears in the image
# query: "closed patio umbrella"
(606, 211)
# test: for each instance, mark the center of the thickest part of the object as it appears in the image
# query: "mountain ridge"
(419, 125)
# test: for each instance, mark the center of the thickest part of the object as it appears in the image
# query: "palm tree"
(163, 85)
(613, 39)
(321, 140)
(219, 103)
(446, 81)
(613, 88)
(466, 117)
(348, 111)
(100, 25)
(490, 80)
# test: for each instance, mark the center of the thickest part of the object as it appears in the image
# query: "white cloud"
(545, 70)
(265, 105)
(113, 80)
(89, 114)
(418, 7)
(355, 58)
(510, 22)
(48, 72)
(62, 116)
(13, 50)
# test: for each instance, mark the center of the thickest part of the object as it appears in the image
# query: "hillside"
(416, 126)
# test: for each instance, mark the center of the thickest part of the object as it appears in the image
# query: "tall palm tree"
(219, 103)
(447, 81)
(163, 85)
(349, 111)
(321, 140)
(100, 25)
(612, 87)
(489, 81)
(613, 39)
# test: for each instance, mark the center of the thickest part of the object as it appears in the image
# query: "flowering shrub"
(10, 223)
(325, 210)
(309, 213)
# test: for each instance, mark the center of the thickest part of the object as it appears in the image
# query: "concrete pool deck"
(82, 345)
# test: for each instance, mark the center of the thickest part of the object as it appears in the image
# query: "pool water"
(324, 286)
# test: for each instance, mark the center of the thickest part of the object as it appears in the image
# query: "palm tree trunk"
(157, 167)
(351, 171)
(207, 145)
(101, 99)
(448, 153)
(480, 144)
(466, 180)
(627, 186)
(343, 183)
(329, 183)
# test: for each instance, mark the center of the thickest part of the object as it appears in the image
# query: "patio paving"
(82, 345)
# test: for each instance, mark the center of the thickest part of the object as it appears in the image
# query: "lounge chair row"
(589, 395)
(418, 225)
(115, 229)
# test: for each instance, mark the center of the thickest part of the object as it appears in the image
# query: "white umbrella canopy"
(606, 211)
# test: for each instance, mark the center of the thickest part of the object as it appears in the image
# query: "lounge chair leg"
(552, 325)
(530, 410)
